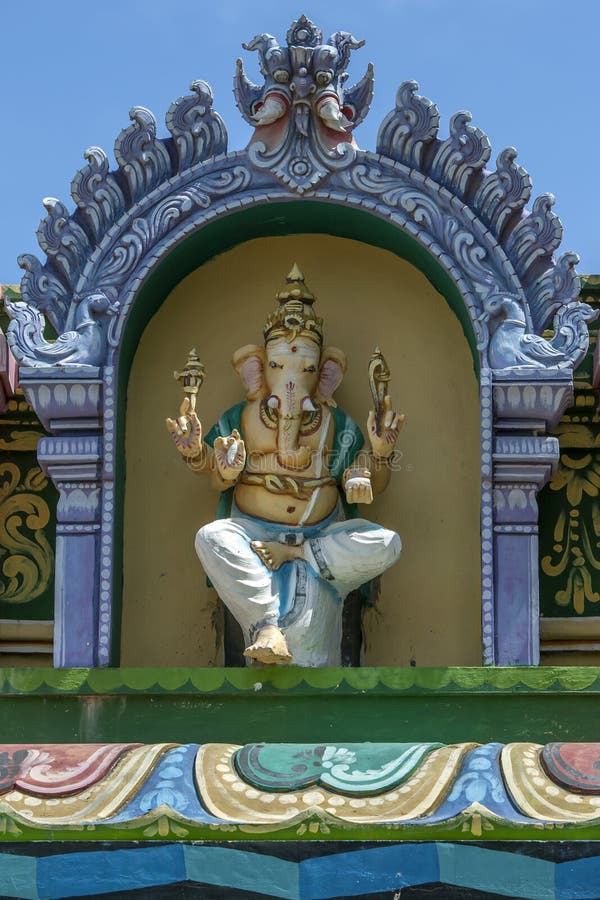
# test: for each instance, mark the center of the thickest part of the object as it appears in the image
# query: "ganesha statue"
(287, 547)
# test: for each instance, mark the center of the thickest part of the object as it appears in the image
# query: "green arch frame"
(260, 220)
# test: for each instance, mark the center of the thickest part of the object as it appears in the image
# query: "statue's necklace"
(311, 421)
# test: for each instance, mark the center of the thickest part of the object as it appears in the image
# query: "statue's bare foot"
(274, 554)
(270, 647)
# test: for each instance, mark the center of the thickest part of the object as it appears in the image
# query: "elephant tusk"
(308, 405)
(273, 402)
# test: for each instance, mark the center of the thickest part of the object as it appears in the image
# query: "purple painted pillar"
(73, 464)
(522, 465)
(526, 403)
(69, 406)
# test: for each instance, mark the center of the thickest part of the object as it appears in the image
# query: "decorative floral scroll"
(575, 553)
(26, 556)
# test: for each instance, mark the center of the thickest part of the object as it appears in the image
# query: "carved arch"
(436, 192)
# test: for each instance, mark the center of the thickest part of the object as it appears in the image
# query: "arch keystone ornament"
(462, 221)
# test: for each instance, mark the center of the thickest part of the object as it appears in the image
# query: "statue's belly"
(254, 500)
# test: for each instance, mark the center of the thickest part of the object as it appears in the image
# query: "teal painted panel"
(507, 874)
(244, 871)
(18, 877)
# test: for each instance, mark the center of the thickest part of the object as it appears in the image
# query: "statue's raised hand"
(389, 423)
(230, 456)
(186, 431)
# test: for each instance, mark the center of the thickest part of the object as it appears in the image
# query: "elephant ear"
(249, 363)
(331, 372)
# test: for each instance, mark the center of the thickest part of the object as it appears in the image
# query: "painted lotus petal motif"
(164, 790)
(64, 769)
(575, 767)
(353, 768)
(480, 780)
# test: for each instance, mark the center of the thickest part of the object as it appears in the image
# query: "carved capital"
(71, 458)
(74, 465)
(65, 401)
(526, 400)
(522, 464)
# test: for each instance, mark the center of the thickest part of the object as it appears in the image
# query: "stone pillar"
(522, 466)
(69, 405)
(524, 459)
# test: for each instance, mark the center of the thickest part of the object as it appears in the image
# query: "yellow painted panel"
(429, 609)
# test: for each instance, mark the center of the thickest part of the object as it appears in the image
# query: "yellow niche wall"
(429, 609)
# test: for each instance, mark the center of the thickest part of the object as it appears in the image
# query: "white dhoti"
(303, 598)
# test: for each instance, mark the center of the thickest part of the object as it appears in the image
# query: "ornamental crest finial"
(303, 115)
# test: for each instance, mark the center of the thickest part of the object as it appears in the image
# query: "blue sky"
(72, 70)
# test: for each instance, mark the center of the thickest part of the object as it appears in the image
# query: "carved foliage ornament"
(304, 116)
(472, 219)
(59, 289)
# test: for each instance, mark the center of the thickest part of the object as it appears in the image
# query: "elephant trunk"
(291, 454)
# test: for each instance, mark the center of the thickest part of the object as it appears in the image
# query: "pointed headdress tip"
(295, 287)
(295, 273)
(294, 316)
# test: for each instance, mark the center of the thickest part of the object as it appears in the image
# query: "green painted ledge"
(293, 680)
(164, 826)
(303, 705)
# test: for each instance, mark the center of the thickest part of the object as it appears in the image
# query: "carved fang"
(272, 109)
(332, 115)
(308, 405)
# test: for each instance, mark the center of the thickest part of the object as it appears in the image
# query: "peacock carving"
(512, 346)
(83, 344)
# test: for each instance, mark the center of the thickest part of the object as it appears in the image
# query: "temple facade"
(455, 751)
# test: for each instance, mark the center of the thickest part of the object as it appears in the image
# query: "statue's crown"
(294, 317)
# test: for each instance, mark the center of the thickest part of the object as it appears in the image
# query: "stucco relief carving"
(438, 190)
(511, 347)
(304, 115)
(447, 199)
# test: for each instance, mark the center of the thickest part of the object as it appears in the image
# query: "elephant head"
(292, 375)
